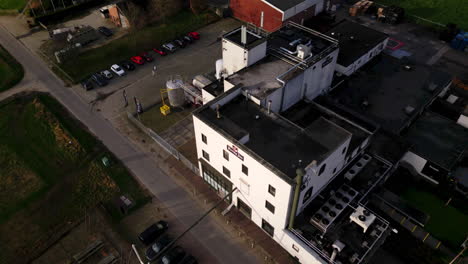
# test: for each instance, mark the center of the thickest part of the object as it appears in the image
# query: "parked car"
(117, 70)
(171, 47)
(98, 79)
(105, 31)
(107, 74)
(194, 35)
(147, 57)
(174, 256)
(160, 51)
(180, 43)
(87, 85)
(153, 232)
(189, 259)
(127, 65)
(160, 243)
(188, 39)
(138, 60)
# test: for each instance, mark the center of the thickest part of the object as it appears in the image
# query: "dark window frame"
(204, 139)
(225, 155)
(206, 155)
(270, 207)
(322, 169)
(271, 190)
(246, 171)
(228, 174)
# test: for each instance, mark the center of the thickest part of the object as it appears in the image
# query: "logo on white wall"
(234, 150)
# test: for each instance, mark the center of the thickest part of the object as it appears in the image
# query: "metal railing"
(164, 144)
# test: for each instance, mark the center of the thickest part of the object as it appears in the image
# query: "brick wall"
(250, 11)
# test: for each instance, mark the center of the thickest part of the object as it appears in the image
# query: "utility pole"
(169, 246)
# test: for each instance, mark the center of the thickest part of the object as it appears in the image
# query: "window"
(206, 155)
(307, 195)
(245, 170)
(344, 151)
(271, 190)
(203, 138)
(295, 248)
(226, 172)
(270, 207)
(225, 155)
(268, 228)
(322, 169)
(334, 170)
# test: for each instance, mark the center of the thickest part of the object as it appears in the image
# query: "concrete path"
(162, 186)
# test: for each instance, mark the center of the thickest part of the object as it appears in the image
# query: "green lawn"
(51, 174)
(11, 72)
(134, 43)
(12, 4)
(441, 11)
(445, 223)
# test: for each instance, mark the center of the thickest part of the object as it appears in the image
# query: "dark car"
(189, 259)
(87, 85)
(127, 65)
(147, 57)
(174, 256)
(180, 43)
(105, 31)
(99, 80)
(161, 243)
(153, 232)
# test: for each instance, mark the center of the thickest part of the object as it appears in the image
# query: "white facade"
(357, 64)
(303, 6)
(236, 58)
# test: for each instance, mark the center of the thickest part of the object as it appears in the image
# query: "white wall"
(300, 250)
(336, 160)
(257, 53)
(293, 92)
(275, 98)
(234, 57)
(363, 60)
(303, 6)
(206, 96)
(319, 79)
(253, 189)
(417, 163)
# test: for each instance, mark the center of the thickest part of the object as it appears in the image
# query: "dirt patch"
(189, 150)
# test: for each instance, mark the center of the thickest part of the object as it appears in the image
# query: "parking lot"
(197, 58)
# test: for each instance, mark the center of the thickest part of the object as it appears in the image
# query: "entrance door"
(244, 208)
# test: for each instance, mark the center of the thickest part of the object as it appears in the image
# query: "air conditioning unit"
(303, 51)
(362, 217)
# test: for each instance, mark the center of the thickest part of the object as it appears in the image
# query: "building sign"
(327, 61)
(234, 150)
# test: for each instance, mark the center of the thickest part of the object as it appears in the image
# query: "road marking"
(438, 245)
(438, 55)
(425, 237)
(414, 228)
(402, 220)
(393, 211)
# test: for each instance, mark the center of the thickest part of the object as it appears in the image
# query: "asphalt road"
(208, 233)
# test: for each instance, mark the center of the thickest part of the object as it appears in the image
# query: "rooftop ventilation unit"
(335, 205)
(303, 51)
(358, 166)
(362, 217)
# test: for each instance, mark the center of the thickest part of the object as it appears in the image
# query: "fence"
(164, 144)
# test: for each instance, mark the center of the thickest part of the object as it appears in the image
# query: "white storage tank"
(175, 93)
(201, 81)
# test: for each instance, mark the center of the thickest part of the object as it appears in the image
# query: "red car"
(160, 51)
(138, 60)
(146, 57)
(194, 35)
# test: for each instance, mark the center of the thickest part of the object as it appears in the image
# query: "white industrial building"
(295, 163)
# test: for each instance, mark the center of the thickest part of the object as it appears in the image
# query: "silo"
(175, 93)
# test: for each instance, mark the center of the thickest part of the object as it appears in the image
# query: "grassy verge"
(446, 222)
(11, 72)
(446, 11)
(12, 4)
(134, 43)
(51, 174)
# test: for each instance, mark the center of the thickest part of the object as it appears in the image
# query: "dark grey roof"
(284, 4)
(355, 40)
(438, 139)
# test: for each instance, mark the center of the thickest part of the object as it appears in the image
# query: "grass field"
(441, 11)
(446, 222)
(12, 4)
(50, 175)
(11, 72)
(134, 43)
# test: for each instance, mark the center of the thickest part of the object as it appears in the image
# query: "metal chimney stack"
(243, 35)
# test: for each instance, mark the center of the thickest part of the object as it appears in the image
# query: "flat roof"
(305, 115)
(354, 40)
(274, 139)
(252, 40)
(384, 89)
(260, 79)
(284, 4)
(437, 139)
